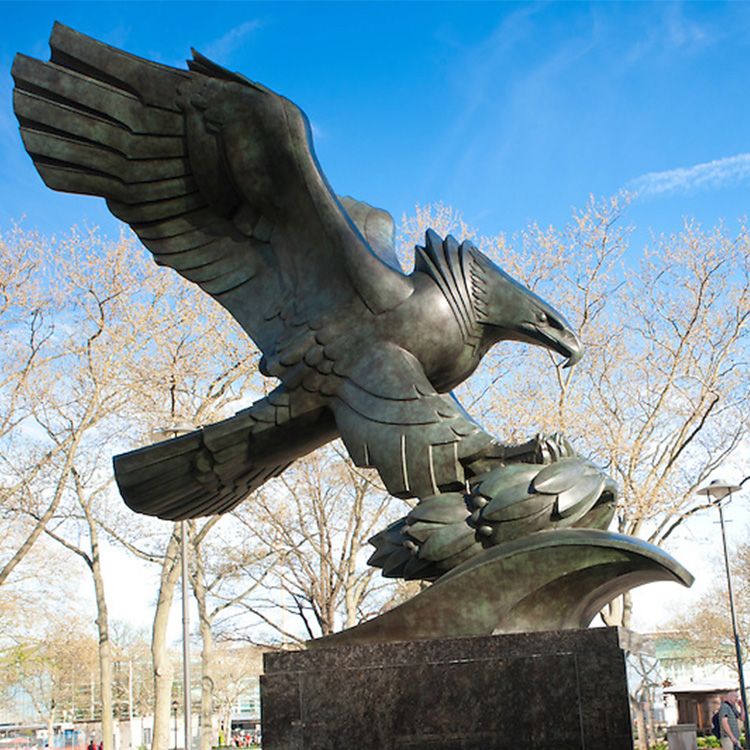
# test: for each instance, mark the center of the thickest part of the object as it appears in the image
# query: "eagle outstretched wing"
(215, 174)
(217, 177)
(389, 418)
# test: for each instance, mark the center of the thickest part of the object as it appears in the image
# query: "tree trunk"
(228, 727)
(207, 682)
(51, 729)
(105, 650)
(350, 606)
(612, 614)
(650, 723)
(640, 725)
(163, 668)
(619, 612)
(93, 561)
(627, 609)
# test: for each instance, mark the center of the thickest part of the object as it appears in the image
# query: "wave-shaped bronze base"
(551, 580)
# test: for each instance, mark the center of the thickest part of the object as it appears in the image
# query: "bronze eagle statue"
(217, 176)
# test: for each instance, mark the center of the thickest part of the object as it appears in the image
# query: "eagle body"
(217, 176)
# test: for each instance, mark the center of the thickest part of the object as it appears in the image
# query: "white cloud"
(669, 32)
(220, 49)
(684, 33)
(711, 175)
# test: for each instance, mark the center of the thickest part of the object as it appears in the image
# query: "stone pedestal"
(563, 690)
(682, 737)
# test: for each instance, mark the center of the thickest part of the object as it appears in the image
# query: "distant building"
(682, 661)
(698, 702)
(246, 709)
(681, 682)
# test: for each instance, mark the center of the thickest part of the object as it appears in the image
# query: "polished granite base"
(563, 690)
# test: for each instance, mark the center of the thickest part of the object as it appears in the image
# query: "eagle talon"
(505, 503)
(551, 448)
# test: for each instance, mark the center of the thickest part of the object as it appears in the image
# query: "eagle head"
(508, 310)
(490, 305)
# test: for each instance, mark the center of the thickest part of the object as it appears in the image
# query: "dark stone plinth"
(562, 690)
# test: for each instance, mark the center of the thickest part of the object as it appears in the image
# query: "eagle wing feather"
(215, 174)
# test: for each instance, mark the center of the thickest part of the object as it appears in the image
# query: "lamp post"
(186, 637)
(130, 703)
(131, 733)
(717, 492)
(175, 706)
(182, 428)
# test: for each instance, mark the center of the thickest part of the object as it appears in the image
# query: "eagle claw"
(551, 448)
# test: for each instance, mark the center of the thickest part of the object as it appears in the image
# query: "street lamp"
(186, 638)
(175, 706)
(717, 492)
(177, 429)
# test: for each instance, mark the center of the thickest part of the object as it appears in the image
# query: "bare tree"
(76, 401)
(643, 683)
(198, 376)
(316, 520)
(133, 684)
(238, 667)
(25, 333)
(128, 350)
(195, 368)
(49, 667)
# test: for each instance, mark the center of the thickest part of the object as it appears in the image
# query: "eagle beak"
(560, 338)
(574, 351)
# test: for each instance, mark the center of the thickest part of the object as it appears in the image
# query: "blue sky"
(508, 112)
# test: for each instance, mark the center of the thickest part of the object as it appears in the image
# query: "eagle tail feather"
(213, 469)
